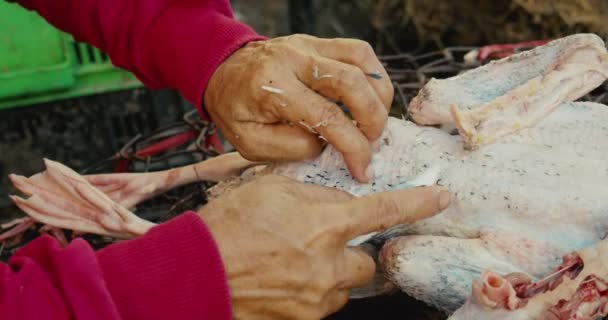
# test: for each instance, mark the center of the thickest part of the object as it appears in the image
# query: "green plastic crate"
(39, 63)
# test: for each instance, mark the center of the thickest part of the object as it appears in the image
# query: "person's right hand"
(283, 243)
(275, 99)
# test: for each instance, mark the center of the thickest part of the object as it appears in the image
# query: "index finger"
(315, 112)
(346, 83)
(383, 210)
(359, 53)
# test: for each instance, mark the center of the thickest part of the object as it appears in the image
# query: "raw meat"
(578, 289)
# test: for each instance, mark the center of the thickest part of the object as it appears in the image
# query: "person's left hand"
(271, 98)
(284, 243)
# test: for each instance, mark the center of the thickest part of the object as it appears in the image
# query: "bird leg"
(62, 198)
(129, 189)
(97, 204)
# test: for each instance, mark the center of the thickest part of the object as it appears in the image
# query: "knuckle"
(311, 62)
(311, 69)
(266, 100)
(351, 77)
(301, 37)
(363, 51)
(261, 69)
(257, 67)
(388, 209)
(284, 39)
(283, 48)
(374, 111)
(290, 50)
(331, 114)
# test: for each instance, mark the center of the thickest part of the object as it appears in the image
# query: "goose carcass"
(528, 173)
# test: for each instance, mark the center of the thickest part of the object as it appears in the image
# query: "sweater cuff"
(174, 269)
(188, 43)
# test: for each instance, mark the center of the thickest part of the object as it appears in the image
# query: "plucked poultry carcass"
(528, 171)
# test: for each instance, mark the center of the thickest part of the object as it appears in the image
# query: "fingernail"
(444, 199)
(369, 173)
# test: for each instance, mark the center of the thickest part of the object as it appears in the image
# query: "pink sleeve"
(172, 272)
(174, 44)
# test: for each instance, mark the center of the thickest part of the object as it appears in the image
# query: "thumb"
(383, 210)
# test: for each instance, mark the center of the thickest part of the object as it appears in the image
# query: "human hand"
(271, 98)
(283, 243)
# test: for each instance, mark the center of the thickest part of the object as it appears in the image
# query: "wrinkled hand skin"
(283, 243)
(275, 100)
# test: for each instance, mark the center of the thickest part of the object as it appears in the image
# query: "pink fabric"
(174, 44)
(172, 272)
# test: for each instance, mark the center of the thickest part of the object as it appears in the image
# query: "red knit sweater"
(175, 270)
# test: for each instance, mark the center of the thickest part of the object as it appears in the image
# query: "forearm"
(165, 43)
(172, 272)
